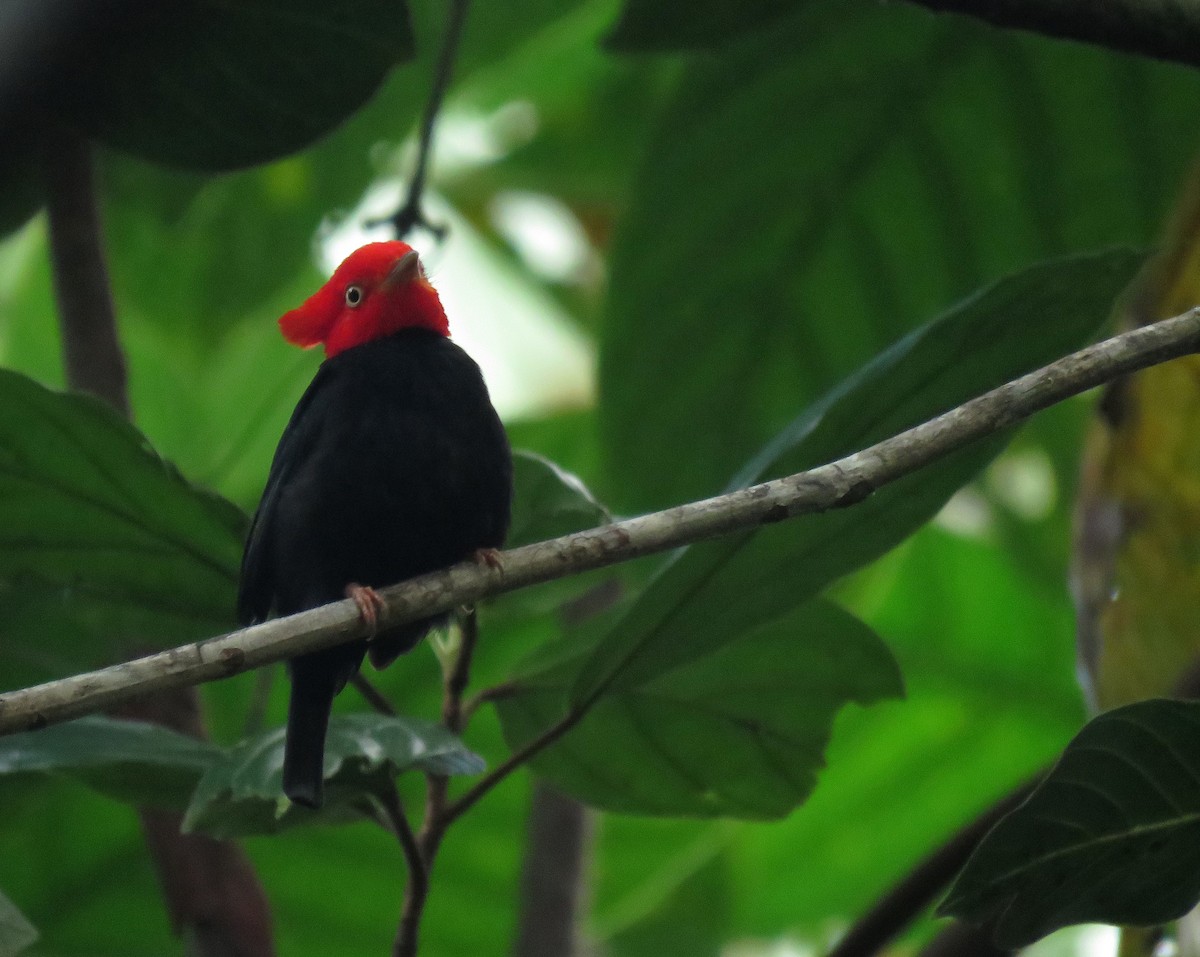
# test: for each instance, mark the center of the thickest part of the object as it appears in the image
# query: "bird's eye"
(354, 295)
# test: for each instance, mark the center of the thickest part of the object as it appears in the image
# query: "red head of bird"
(380, 289)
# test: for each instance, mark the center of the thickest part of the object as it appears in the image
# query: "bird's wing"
(256, 585)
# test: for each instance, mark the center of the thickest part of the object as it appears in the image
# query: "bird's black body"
(394, 464)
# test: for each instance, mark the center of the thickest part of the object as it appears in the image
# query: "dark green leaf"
(696, 24)
(1109, 836)
(102, 543)
(708, 592)
(199, 252)
(21, 195)
(129, 760)
(813, 193)
(738, 732)
(208, 85)
(242, 793)
(16, 933)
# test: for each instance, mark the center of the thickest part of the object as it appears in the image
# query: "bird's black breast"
(393, 464)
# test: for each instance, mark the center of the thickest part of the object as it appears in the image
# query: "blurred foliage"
(784, 198)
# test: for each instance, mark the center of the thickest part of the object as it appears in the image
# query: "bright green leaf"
(16, 933)
(698, 24)
(738, 732)
(1110, 835)
(103, 545)
(708, 592)
(243, 792)
(130, 760)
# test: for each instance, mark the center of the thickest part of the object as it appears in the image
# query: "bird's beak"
(405, 270)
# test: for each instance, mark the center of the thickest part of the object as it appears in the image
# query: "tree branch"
(552, 875)
(1153, 28)
(92, 352)
(417, 888)
(212, 893)
(836, 485)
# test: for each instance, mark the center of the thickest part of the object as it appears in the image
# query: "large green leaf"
(679, 25)
(813, 193)
(104, 547)
(548, 501)
(693, 919)
(16, 933)
(739, 731)
(243, 792)
(210, 85)
(708, 592)
(132, 761)
(1109, 836)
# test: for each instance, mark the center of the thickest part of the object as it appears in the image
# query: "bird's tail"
(314, 685)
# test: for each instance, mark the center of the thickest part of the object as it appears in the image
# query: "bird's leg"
(370, 604)
(489, 557)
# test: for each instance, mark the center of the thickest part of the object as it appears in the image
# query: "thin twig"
(839, 484)
(439, 816)
(372, 695)
(412, 213)
(417, 886)
(505, 689)
(519, 757)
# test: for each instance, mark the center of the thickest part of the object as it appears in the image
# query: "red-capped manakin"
(394, 464)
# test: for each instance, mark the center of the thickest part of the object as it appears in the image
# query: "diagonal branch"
(91, 349)
(836, 485)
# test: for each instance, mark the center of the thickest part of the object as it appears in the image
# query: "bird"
(393, 464)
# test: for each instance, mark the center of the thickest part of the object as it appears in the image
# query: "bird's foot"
(370, 604)
(489, 557)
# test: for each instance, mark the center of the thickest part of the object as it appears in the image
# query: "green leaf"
(923, 158)
(1109, 836)
(242, 793)
(213, 85)
(129, 760)
(708, 592)
(103, 545)
(693, 920)
(736, 732)
(16, 933)
(698, 24)
(549, 501)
